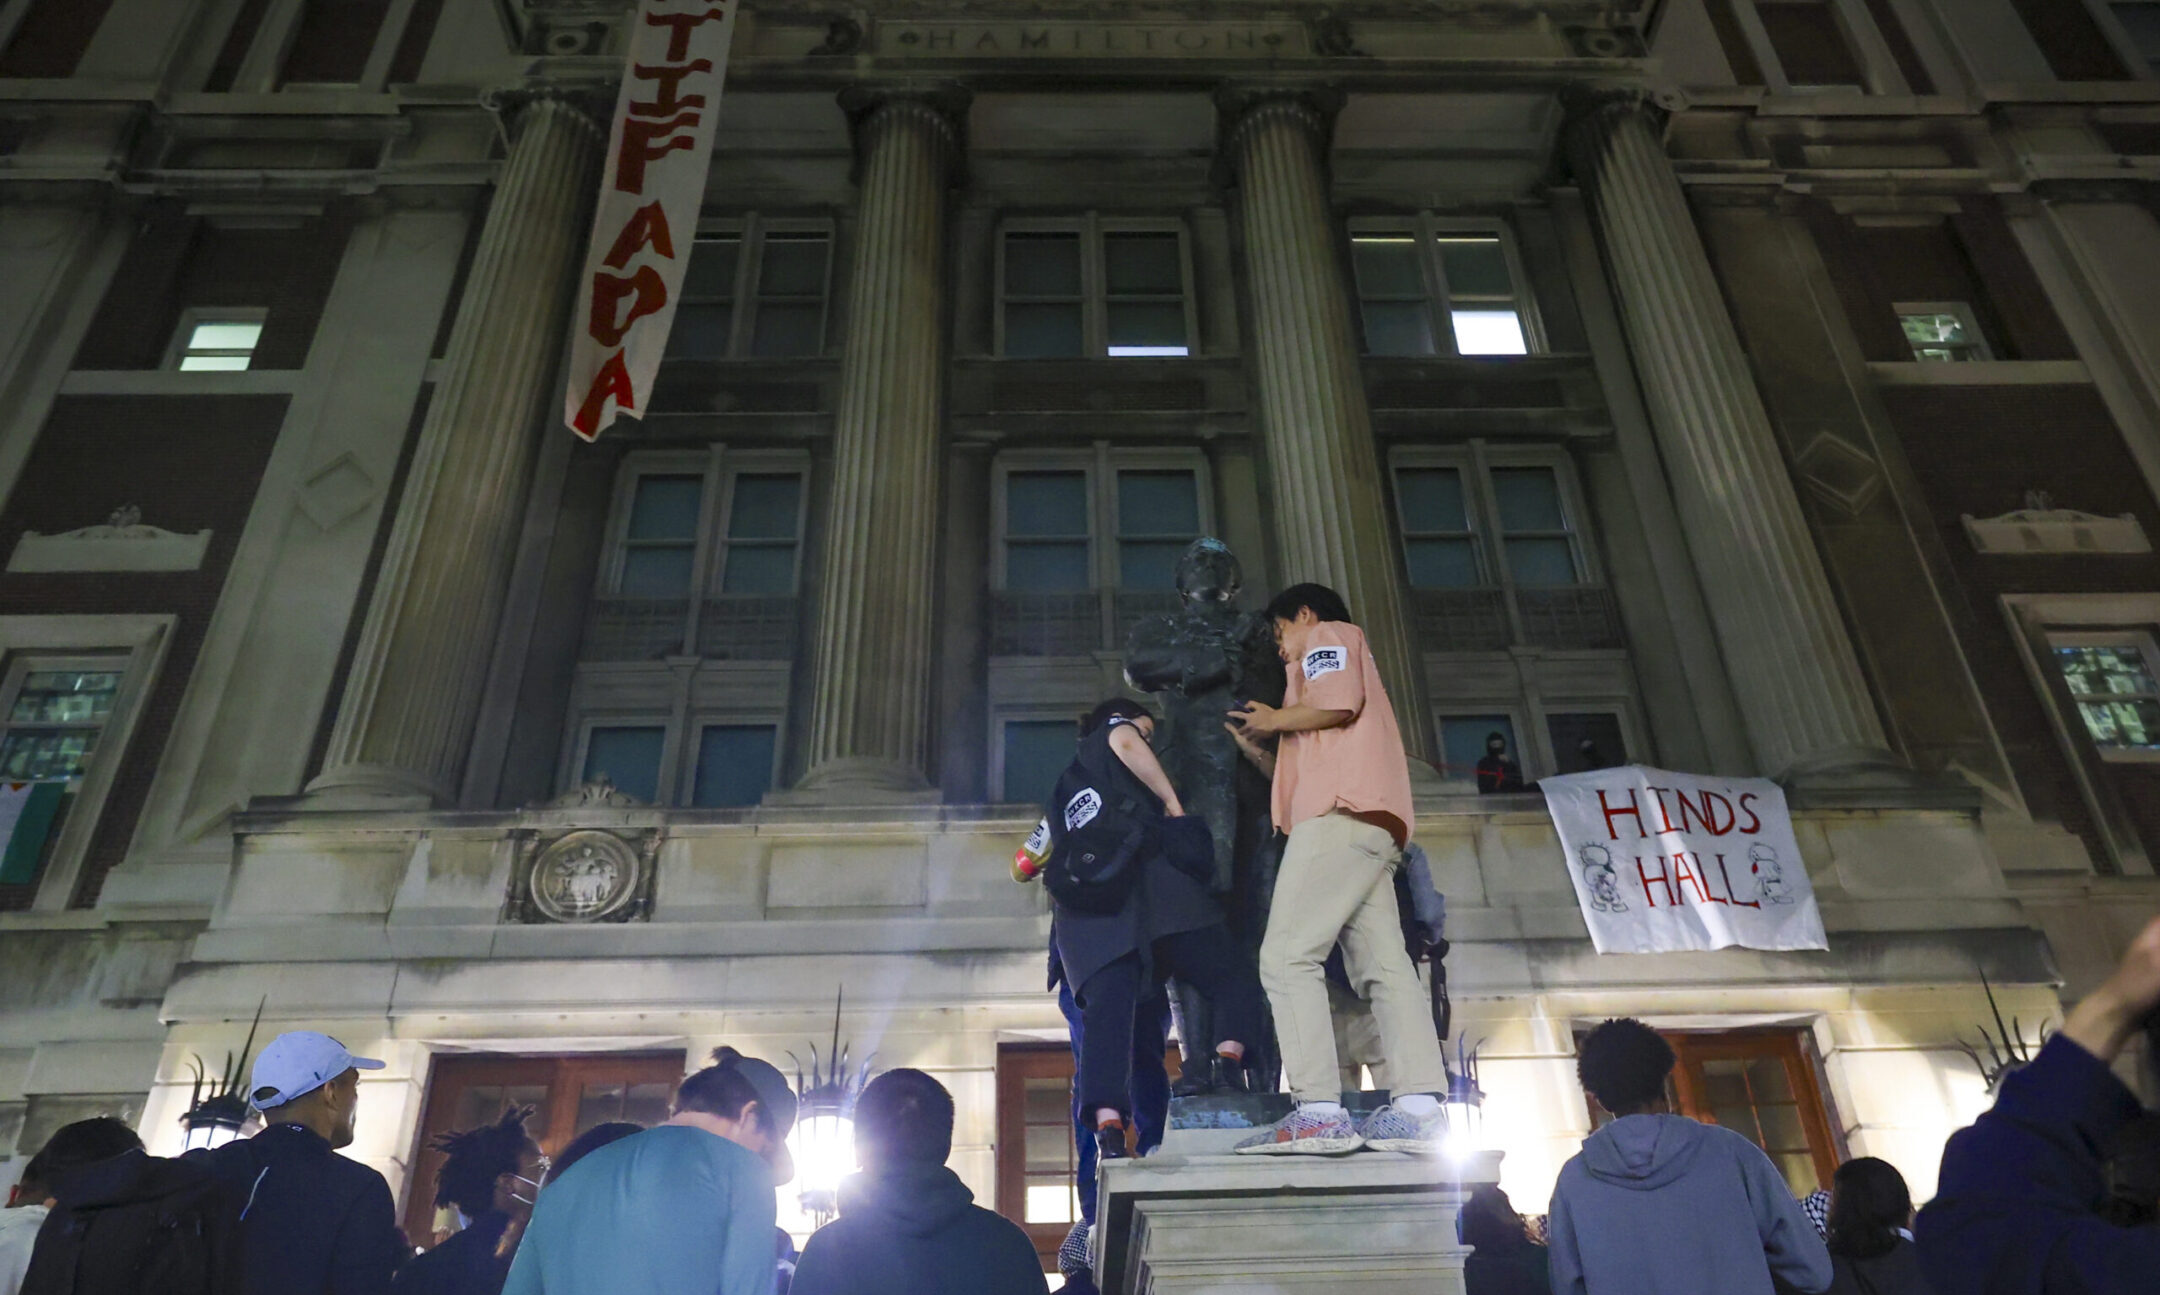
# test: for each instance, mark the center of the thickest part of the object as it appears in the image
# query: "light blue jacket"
(670, 1211)
(1662, 1205)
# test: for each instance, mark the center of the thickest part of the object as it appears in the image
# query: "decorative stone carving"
(584, 876)
(600, 793)
(122, 543)
(2041, 528)
(843, 36)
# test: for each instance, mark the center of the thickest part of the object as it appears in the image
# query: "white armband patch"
(1038, 841)
(1082, 809)
(1325, 660)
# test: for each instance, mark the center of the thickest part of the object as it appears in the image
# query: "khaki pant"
(1338, 883)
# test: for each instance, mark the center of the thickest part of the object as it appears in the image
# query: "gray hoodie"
(1662, 1205)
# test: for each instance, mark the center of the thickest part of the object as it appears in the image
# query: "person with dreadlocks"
(489, 1175)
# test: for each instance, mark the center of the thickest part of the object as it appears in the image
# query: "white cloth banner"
(645, 223)
(1671, 862)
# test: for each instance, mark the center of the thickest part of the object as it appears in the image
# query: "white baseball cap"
(295, 1064)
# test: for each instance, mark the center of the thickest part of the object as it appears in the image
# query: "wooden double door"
(568, 1094)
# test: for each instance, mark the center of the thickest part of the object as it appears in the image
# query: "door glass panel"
(1781, 1128)
(485, 1103)
(1768, 1081)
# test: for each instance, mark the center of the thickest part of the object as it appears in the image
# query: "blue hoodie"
(1662, 1205)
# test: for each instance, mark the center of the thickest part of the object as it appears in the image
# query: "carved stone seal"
(585, 876)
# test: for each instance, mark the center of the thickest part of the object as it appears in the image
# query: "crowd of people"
(2055, 1191)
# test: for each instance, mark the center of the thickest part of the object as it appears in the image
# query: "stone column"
(1330, 503)
(869, 727)
(406, 720)
(1801, 693)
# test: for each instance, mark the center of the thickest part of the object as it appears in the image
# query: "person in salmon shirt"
(1342, 793)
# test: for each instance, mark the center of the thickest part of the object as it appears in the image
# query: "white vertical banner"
(645, 223)
(1671, 862)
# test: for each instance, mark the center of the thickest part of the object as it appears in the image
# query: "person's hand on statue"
(2105, 1019)
(1255, 719)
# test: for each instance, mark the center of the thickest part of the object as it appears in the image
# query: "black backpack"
(148, 1226)
(1102, 827)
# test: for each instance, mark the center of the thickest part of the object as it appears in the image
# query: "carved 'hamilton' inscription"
(1092, 40)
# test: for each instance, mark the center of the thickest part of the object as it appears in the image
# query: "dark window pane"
(712, 268)
(334, 40)
(1387, 266)
(1443, 564)
(1541, 562)
(658, 572)
(700, 331)
(1475, 267)
(1809, 46)
(1156, 325)
(788, 330)
(51, 38)
(66, 696)
(1040, 330)
(1142, 264)
(1529, 499)
(1462, 741)
(734, 765)
(1046, 503)
(793, 266)
(1045, 568)
(28, 753)
(1158, 503)
(1036, 752)
(1042, 265)
(630, 757)
(766, 506)
(666, 508)
(762, 569)
(1586, 741)
(1150, 564)
(1432, 500)
(2142, 21)
(1398, 328)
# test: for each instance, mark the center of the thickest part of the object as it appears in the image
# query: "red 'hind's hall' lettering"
(1683, 875)
(1633, 810)
(1731, 897)
(1663, 878)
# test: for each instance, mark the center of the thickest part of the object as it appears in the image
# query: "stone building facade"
(1740, 386)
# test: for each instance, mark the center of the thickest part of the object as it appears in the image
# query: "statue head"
(1209, 572)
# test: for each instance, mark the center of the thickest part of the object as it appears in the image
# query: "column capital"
(590, 103)
(1588, 104)
(942, 109)
(1312, 109)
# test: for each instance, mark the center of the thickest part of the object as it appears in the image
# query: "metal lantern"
(217, 1109)
(823, 1140)
(1464, 1106)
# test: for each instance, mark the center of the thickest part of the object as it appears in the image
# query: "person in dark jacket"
(908, 1225)
(125, 1222)
(490, 1176)
(1503, 1259)
(1869, 1232)
(314, 1222)
(584, 1144)
(2017, 1204)
(1168, 924)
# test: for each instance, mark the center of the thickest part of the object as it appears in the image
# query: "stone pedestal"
(1379, 1223)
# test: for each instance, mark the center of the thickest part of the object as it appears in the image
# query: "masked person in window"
(1128, 872)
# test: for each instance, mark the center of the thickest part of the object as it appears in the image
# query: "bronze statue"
(1202, 662)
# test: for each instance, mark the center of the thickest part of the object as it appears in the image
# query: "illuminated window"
(1428, 288)
(2115, 682)
(1942, 332)
(224, 342)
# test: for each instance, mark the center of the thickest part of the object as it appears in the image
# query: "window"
(1523, 510)
(1036, 1157)
(1463, 741)
(70, 691)
(1035, 752)
(220, 343)
(1410, 275)
(750, 544)
(1942, 332)
(333, 41)
(51, 37)
(1146, 505)
(1810, 46)
(1583, 741)
(2140, 20)
(1093, 287)
(2114, 678)
(755, 292)
(734, 765)
(627, 755)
